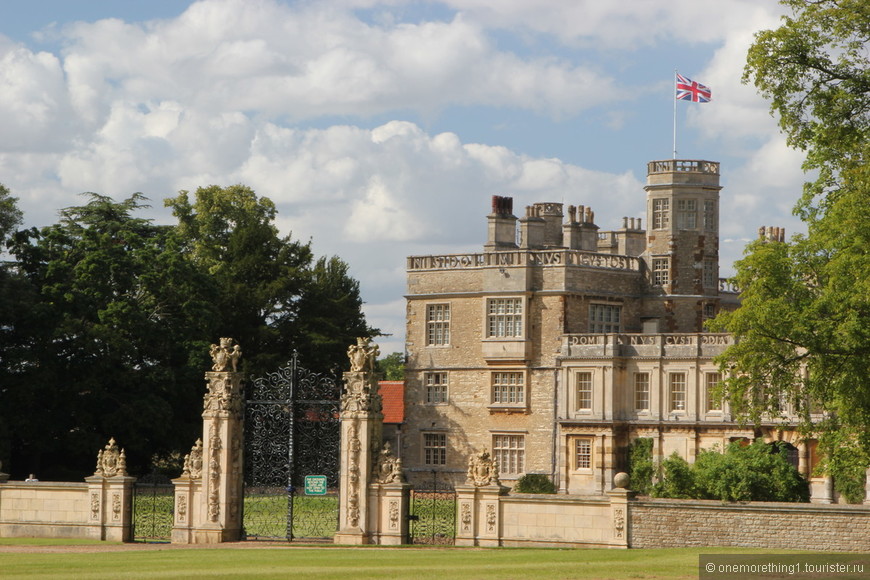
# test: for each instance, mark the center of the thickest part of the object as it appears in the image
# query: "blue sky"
(382, 128)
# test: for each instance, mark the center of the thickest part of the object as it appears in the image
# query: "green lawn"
(356, 563)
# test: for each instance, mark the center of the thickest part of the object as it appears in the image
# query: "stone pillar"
(867, 487)
(110, 496)
(361, 433)
(218, 513)
(822, 489)
(188, 494)
(466, 516)
(478, 504)
(620, 515)
(389, 512)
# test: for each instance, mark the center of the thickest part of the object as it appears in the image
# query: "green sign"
(315, 485)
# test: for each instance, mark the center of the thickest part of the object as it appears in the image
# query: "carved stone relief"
(465, 517)
(95, 506)
(353, 474)
(181, 511)
(618, 523)
(111, 461)
(214, 466)
(116, 507)
(389, 468)
(490, 517)
(225, 356)
(394, 515)
(193, 462)
(483, 470)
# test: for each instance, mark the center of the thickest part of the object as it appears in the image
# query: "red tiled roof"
(393, 395)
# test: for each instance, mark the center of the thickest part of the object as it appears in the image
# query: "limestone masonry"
(559, 344)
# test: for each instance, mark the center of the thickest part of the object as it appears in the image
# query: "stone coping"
(712, 504)
(43, 485)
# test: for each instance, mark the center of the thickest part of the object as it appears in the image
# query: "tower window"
(661, 271)
(687, 214)
(661, 214)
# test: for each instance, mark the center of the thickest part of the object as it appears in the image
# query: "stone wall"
(550, 520)
(683, 523)
(97, 510)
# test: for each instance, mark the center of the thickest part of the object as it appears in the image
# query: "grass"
(359, 563)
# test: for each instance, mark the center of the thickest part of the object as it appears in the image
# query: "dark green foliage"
(534, 483)
(677, 480)
(392, 367)
(756, 472)
(108, 321)
(640, 465)
(106, 318)
(803, 330)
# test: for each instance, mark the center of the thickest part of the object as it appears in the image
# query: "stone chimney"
(501, 225)
(771, 233)
(532, 229)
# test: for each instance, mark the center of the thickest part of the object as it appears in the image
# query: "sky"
(382, 128)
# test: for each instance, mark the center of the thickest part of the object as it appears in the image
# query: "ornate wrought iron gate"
(433, 514)
(153, 503)
(292, 431)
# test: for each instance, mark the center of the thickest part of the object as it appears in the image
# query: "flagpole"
(674, 98)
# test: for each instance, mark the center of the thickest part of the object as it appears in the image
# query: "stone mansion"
(559, 344)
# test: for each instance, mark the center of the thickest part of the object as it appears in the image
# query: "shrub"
(676, 480)
(640, 465)
(756, 472)
(534, 483)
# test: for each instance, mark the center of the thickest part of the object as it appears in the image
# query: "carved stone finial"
(362, 355)
(193, 461)
(483, 470)
(226, 356)
(389, 466)
(111, 460)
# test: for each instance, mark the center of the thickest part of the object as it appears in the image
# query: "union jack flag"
(689, 90)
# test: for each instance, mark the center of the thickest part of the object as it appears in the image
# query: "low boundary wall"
(487, 517)
(97, 509)
(669, 523)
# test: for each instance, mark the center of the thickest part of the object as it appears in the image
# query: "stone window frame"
(434, 446)
(517, 390)
(583, 462)
(678, 399)
(511, 458)
(660, 267)
(711, 215)
(508, 321)
(438, 324)
(637, 392)
(598, 312)
(436, 383)
(687, 214)
(712, 405)
(587, 394)
(661, 213)
(708, 277)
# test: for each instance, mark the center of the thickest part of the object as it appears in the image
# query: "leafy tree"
(392, 367)
(814, 71)
(111, 320)
(10, 215)
(803, 330)
(329, 316)
(271, 298)
(230, 234)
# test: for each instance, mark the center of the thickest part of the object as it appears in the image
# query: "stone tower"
(682, 250)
